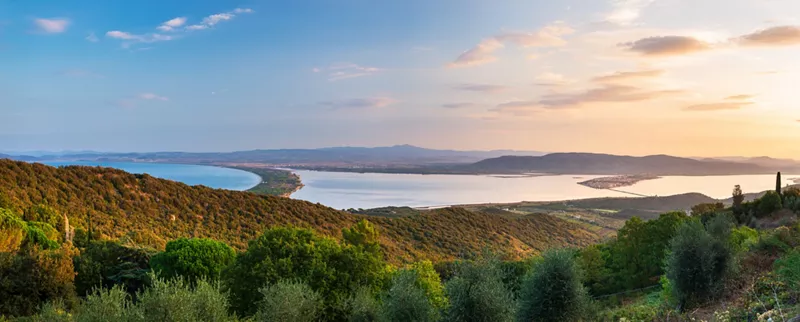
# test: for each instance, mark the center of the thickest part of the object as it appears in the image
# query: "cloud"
(482, 53)
(174, 26)
(626, 12)
(92, 37)
(80, 73)
(146, 38)
(604, 94)
(484, 88)
(340, 71)
(624, 76)
(212, 20)
(171, 24)
(552, 79)
(739, 97)
(667, 46)
(359, 103)
(775, 36)
(718, 106)
(518, 108)
(52, 26)
(458, 105)
(151, 96)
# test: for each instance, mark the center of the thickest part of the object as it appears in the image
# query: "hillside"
(590, 163)
(118, 203)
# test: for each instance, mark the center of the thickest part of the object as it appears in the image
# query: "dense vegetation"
(152, 211)
(737, 263)
(274, 182)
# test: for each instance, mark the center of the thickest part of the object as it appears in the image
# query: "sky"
(636, 77)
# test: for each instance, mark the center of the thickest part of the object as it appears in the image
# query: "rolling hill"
(141, 207)
(591, 163)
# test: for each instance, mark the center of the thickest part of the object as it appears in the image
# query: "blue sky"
(618, 76)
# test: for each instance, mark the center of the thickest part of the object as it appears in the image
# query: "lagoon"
(370, 190)
(209, 176)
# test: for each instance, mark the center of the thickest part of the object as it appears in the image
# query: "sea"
(209, 176)
(343, 190)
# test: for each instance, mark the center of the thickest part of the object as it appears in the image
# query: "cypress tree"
(778, 184)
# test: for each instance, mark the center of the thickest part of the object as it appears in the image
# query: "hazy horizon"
(627, 77)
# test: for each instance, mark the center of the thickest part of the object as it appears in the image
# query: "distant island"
(616, 181)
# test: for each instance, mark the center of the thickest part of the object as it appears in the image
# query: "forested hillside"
(153, 211)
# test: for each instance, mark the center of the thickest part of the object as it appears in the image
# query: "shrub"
(742, 238)
(428, 279)
(193, 259)
(363, 306)
(174, 300)
(788, 270)
(477, 293)
(35, 277)
(769, 203)
(697, 265)
(553, 290)
(12, 231)
(106, 305)
(288, 301)
(407, 300)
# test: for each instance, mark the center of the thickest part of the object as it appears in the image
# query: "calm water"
(209, 176)
(370, 190)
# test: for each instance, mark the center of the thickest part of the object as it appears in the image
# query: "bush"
(407, 300)
(769, 203)
(428, 279)
(193, 259)
(363, 307)
(553, 290)
(697, 265)
(176, 301)
(477, 293)
(106, 305)
(742, 238)
(35, 277)
(288, 301)
(788, 270)
(12, 231)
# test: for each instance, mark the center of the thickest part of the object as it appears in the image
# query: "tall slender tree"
(778, 183)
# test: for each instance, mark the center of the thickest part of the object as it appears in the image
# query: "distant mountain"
(591, 163)
(767, 162)
(393, 155)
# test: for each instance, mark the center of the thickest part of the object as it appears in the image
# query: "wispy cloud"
(92, 37)
(359, 103)
(775, 36)
(739, 97)
(718, 106)
(171, 24)
(52, 25)
(130, 102)
(667, 46)
(625, 76)
(174, 26)
(483, 52)
(604, 94)
(484, 88)
(212, 20)
(151, 96)
(340, 71)
(552, 79)
(626, 12)
(458, 105)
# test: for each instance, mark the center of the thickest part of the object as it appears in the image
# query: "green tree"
(477, 293)
(641, 247)
(428, 279)
(34, 277)
(12, 231)
(193, 259)
(363, 306)
(594, 262)
(330, 269)
(288, 301)
(778, 184)
(696, 265)
(107, 263)
(177, 301)
(738, 196)
(407, 300)
(553, 291)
